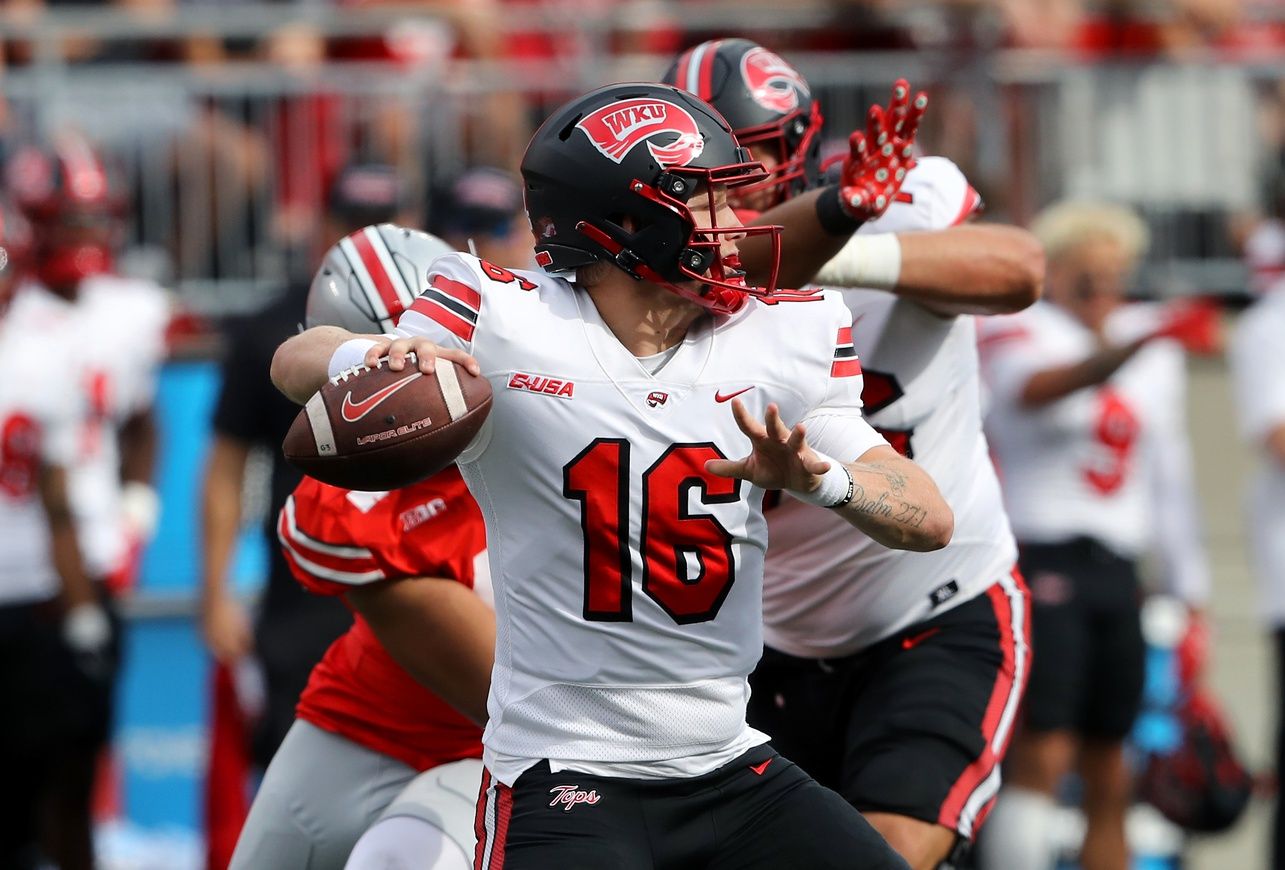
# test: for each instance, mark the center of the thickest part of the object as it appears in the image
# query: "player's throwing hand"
(426, 352)
(780, 457)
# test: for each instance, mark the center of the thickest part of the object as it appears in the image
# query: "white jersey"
(39, 421)
(1257, 356)
(1111, 462)
(627, 580)
(828, 593)
(118, 327)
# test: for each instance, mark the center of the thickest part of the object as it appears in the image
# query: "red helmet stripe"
(86, 179)
(706, 91)
(371, 275)
(684, 64)
(405, 293)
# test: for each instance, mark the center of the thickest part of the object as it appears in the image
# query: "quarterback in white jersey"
(626, 546)
(1257, 357)
(1088, 429)
(862, 641)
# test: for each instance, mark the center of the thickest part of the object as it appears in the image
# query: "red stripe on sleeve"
(375, 268)
(458, 290)
(845, 368)
(845, 335)
(972, 199)
(446, 319)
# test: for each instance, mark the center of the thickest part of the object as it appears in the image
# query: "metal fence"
(227, 164)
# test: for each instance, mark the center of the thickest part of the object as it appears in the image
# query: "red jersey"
(335, 539)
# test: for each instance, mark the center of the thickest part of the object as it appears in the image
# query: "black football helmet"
(766, 101)
(610, 175)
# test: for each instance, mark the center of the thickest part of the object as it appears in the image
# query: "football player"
(892, 677)
(118, 329)
(1089, 430)
(1258, 365)
(404, 562)
(623, 510)
(56, 639)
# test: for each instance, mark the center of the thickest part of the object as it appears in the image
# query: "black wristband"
(852, 490)
(833, 219)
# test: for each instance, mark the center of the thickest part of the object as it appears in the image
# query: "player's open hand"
(780, 457)
(879, 158)
(426, 354)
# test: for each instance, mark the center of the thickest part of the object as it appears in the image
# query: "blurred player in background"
(291, 629)
(1257, 357)
(118, 326)
(893, 678)
(1088, 427)
(484, 209)
(57, 642)
(404, 562)
(626, 555)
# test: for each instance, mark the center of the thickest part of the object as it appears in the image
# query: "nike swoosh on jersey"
(719, 397)
(354, 411)
(761, 767)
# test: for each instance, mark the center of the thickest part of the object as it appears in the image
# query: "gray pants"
(319, 795)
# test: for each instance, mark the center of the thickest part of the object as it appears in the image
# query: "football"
(375, 429)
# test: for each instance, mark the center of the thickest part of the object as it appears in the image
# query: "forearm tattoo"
(891, 503)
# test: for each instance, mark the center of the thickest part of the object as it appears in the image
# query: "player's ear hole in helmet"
(626, 175)
(768, 104)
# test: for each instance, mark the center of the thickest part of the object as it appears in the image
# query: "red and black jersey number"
(504, 276)
(879, 391)
(1116, 430)
(688, 563)
(19, 455)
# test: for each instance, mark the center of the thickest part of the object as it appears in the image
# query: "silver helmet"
(368, 278)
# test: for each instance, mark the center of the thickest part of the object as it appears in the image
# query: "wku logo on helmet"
(618, 128)
(772, 81)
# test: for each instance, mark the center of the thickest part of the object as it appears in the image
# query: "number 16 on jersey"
(688, 566)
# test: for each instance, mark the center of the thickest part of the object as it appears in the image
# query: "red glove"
(1193, 324)
(1193, 650)
(878, 159)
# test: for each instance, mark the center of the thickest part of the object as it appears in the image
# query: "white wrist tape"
(836, 486)
(349, 354)
(141, 508)
(86, 628)
(872, 260)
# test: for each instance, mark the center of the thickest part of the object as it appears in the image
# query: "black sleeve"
(245, 388)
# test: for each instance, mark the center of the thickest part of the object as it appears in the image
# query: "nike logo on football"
(914, 640)
(719, 397)
(759, 768)
(353, 411)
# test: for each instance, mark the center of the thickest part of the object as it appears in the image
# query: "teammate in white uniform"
(892, 677)
(117, 329)
(53, 633)
(626, 551)
(1257, 357)
(1088, 430)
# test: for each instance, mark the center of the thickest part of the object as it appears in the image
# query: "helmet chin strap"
(719, 300)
